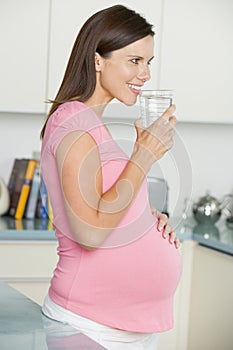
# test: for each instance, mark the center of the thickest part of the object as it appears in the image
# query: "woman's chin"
(129, 102)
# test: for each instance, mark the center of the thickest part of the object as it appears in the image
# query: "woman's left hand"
(164, 225)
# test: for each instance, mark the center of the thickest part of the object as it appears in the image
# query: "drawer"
(27, 259)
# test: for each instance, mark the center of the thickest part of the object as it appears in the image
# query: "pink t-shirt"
(129, 282)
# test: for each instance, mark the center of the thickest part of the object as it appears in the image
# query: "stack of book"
(28, 194)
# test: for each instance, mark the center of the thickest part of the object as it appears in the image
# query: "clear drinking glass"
(153, 103)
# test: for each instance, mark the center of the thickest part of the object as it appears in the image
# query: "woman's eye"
(135, 60)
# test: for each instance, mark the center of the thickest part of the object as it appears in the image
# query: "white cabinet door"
(28, 266)
(24, 39)
(211, 301)
(66, 21)
(177, 337)
(196, 58)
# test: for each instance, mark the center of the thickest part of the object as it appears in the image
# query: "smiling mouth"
(135, 88)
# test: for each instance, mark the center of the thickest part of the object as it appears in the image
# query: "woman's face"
(124, 73)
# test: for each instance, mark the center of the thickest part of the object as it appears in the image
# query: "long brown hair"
(107, 30)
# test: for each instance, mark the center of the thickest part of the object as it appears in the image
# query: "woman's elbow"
(91, 242)
(89, 248)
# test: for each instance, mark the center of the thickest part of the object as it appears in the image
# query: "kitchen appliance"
(158, 193)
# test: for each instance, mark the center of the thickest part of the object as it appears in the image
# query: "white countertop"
(24, 327)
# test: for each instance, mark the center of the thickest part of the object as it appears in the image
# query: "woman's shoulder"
(72, 114)
(69, 117)
(67, 109)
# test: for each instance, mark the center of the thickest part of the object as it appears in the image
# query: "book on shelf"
(24, 194)
(50, 215)
(30, 210)
(15, 183)
(44, 200)
(44, 209)
(28, 193)
(14, 172)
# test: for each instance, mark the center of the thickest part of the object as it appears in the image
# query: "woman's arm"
(93, 214)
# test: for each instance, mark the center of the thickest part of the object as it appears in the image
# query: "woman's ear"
(98, 60)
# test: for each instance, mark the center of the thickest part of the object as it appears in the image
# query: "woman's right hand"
(156, 139)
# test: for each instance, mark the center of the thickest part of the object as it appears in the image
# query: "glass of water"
(153, 103)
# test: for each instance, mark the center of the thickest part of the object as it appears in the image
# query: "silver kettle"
(208, 209)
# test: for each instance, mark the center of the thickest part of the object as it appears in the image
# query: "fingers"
(169, 112)
(164, 225)
(155, 212)
(168, 117)
(172, 237)
(158, 137)
(162, 222)
(177, 242)
(172, 121)
(138, 124)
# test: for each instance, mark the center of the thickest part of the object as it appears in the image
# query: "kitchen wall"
(19, 137)
(202, 158)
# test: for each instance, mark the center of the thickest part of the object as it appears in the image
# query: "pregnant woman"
(118, 265)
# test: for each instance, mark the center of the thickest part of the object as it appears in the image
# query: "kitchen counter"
(218, 236)
(23, 327)
(26, 230)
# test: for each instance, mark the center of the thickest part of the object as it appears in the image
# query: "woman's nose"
(144, 73)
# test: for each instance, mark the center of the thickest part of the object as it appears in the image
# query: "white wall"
(204, 158)
(19, 137)
(210, 149)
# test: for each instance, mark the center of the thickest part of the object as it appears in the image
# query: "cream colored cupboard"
(24, 51)
(177, 338)
(196, 58)
(193, 52)
(28, 266)
(211, 301)
(203, 302)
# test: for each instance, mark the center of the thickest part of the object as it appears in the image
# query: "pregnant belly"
(147, 269)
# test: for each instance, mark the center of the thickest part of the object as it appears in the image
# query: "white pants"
(109, 338)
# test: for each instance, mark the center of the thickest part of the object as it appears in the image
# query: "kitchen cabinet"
(28, 266)
(24, 46)
(211, 301)
(193, 53)
(177, 338)
(196, 58)
(67, 19)
(203, 301)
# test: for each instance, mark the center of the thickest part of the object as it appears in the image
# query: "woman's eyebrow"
(135, 56)
(140, 57)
